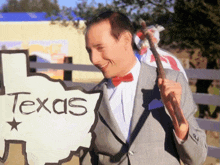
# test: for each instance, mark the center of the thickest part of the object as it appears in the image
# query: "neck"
(128, 64)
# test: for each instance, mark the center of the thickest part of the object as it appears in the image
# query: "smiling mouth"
(103, 67)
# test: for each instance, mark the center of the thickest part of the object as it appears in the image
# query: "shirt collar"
(135, 72)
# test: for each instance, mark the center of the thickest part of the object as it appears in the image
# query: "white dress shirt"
(121, 99)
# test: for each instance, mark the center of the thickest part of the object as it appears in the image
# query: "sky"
(68, 3)
(72, 3)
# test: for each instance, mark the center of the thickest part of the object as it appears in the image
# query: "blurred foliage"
(152, 11)
(47, 6)
(196, 24)
(149, 10)
(87, 10)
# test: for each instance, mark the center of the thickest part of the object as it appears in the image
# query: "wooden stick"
(160, 70)
(161, 74)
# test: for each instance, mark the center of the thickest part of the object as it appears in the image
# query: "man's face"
(105, 52)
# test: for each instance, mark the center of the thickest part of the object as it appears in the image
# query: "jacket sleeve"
(193, 151)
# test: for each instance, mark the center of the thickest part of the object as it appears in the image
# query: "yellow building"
(52, 41)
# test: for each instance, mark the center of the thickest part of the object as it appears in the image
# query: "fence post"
(33, 58)
(67, 74)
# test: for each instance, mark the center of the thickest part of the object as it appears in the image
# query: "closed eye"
(99, 48)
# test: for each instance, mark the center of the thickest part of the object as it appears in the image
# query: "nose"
(95, 57)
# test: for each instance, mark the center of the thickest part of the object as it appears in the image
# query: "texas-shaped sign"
(49, 118)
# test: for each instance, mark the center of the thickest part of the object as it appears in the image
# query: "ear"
(126, 37)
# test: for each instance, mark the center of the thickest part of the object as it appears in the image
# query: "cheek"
(108, 53)
(113, 53)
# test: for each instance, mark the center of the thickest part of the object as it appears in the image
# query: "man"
(133, 127)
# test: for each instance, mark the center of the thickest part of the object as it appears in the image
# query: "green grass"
(214, 91)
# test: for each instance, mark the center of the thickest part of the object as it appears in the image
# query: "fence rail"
(78, 67)
(199, 98)
(207, 74)
(206, 99)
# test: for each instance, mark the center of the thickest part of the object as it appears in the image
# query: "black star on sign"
(14, 124)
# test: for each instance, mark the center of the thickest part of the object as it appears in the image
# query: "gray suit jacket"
(152, 139)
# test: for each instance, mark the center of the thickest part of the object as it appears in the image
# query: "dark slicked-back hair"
(118, 21)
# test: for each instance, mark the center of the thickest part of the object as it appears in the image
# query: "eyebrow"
(97, 45)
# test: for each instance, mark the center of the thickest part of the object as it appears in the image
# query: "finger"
(177, 110)
(167, 90)
(160, 81)
(170, 83)
(176, 96)
(170, 109)
(175, 87)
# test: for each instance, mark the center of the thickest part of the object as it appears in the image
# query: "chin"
(106, 75)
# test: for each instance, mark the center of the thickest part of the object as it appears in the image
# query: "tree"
(46, 6)
(55, 7)
(31, 6)
(83, 10)
(145, 5)
(13, 6)
(196, 24)
(34, 6)
(86, 11)
(149, 10)
(157, 11)
(24, 5)
(4, 8)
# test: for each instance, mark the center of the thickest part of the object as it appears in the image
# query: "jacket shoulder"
(100, 84)
(170, 74)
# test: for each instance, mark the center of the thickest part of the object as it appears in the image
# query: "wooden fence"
(207, 99)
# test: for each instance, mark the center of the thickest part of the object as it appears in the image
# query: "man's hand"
(170, 92)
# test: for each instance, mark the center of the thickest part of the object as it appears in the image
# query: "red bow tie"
(117, 80)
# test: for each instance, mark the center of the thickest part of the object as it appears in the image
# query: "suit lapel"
(106, 113)
(146, 82)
